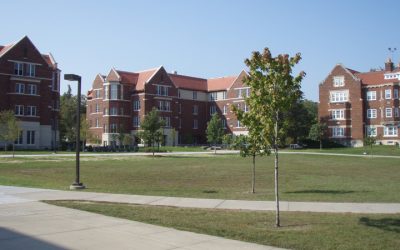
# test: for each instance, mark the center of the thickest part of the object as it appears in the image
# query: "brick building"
(119, 101)
(356, 104)
(29, 85)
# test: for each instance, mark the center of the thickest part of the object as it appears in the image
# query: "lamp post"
(71, 77)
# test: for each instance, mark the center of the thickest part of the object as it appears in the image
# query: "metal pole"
(78, 129)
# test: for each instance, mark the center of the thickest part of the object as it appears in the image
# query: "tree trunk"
(253, 183)
(215, 148)
(13, 150)
(320, 144)
(277, 219)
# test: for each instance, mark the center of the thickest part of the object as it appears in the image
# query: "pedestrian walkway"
(26, 223)
(35, 194)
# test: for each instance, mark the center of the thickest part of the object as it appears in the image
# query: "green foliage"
(9, 128)
(317, 132)
(215, 130)
(68, 115)
(299, 119)
(250, 147)
(227, 140)
(273, 92)
(151, 126)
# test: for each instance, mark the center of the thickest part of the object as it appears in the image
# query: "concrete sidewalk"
(35, 194)
(27, 224)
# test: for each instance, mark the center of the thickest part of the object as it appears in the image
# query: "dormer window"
(338, 81)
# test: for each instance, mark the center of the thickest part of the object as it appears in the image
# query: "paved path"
(29, 224)
(34, 194)
(192, 153)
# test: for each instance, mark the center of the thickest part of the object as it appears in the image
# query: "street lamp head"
(72, 77)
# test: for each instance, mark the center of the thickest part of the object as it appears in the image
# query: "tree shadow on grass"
(318, 191)
(386, 224)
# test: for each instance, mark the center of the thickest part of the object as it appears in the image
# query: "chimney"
(388, 65)
(175, 72)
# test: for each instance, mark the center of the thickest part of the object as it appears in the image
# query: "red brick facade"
(355, 104)
(185, 102)
(30, 83)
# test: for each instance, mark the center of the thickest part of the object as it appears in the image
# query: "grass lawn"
(376, 150)
(302, 177)
(298, 231)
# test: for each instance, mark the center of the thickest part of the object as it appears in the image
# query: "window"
(180, 123)
(395, 93)
(337, 114)
(113, 111)
(224, 95)
(247, 92)
(396, 112)
(30, 69)
(179, 93)
(194, 95)
(337, 132)
(20, 88)
(19, 109)
(113, 128)
(18, 68)
(371, 131)
(121, 111)
(30, 111)
(162, 90)
(246, 109)
(239, 93)
(97, 108)
(97, 93)
(388, 112)
(225, 110)
(195, 109)
(195, 124)
(238, 124)
(106, 90)
(136, 105)
(20, 138)
(167, 120)
(213, 109)
(97, 123)
(164, 105)
(114, 92)
(213, 96)
(223, 121)
(339, 96)
(136, 121)
(371, 95)
(338, 81)
(388, 93)
(390, 130)
(32, 89)
(180, 108)
(105, 111)
(30, 137)
(371, 113)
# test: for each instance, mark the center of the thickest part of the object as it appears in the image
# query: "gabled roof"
(376, 77)
(189, 82)
(48, 58)
(139, 79)
(221, 83)
(145, 76)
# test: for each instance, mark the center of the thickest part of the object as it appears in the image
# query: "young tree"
(369, 141)
(9, 128)
(214, 131)
(151, 126)
(227, 139)
(251, 146)
(317, 133)
(273, 90)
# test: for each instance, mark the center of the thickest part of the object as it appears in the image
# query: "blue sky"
(204, 38)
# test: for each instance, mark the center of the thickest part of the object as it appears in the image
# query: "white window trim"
(369, 97)
(372, 117)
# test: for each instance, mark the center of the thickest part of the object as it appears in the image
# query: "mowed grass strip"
(298, 231)
(302, 177)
